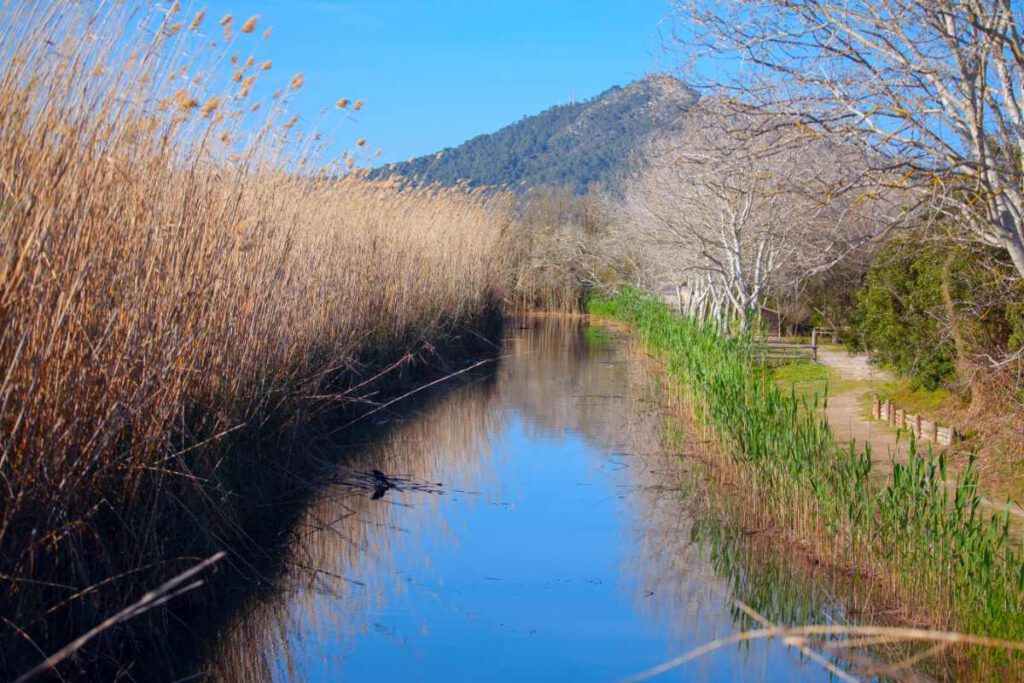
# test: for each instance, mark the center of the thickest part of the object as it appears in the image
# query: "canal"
(534, 523)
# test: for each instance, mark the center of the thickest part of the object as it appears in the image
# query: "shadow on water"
(533, 524)
(268, 485)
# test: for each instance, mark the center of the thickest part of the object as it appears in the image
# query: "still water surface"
(538, 532)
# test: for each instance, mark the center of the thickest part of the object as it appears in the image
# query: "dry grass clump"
(173, 272)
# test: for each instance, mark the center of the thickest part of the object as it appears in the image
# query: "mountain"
(573, 145)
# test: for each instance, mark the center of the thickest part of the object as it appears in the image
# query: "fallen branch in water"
(818, 634)
(417, 390)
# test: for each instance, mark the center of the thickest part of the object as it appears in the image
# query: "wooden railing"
(924, 430)
(785, 350)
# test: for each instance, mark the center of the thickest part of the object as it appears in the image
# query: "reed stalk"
(183, 265)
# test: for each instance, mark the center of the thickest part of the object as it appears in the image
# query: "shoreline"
(789, 464)
(260, 474)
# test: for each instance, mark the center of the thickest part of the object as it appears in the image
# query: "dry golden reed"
(172, 274)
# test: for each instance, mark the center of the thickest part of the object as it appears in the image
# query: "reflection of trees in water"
(559, 384)
(614, 400)
(691, 547)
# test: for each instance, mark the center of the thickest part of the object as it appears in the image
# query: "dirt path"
(849, 420)
(846, 410)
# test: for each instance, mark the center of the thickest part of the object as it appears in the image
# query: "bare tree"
(733, 210)
(931, 87)
(567, 251)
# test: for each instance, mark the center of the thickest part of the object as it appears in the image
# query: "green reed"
(916, 532)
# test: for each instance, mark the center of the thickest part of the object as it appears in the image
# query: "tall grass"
(910, 533)
(179, 266)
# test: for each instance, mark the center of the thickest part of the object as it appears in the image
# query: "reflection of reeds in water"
(558, 384)
(345, 534)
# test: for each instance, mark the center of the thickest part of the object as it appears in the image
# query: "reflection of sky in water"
(543, 572)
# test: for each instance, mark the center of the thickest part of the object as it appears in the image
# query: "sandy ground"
(846, 411)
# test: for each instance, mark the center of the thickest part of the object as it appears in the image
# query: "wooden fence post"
(876, 407)
(814, 344)
(917, 426)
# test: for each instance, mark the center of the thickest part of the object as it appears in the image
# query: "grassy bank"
(184, 273)
(913, 536)
(808, 380)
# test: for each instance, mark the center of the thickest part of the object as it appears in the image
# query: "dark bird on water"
(381, 484)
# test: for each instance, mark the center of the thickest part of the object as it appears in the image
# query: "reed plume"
(170, 282)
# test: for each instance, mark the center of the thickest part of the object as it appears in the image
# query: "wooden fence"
(782, 350)
(786, 349)
(924, 430)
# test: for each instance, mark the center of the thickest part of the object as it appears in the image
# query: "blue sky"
(434, 73)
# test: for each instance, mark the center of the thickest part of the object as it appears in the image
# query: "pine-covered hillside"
(570, 145)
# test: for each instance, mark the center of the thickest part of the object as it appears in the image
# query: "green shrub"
(904, 320)
(901, 314)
